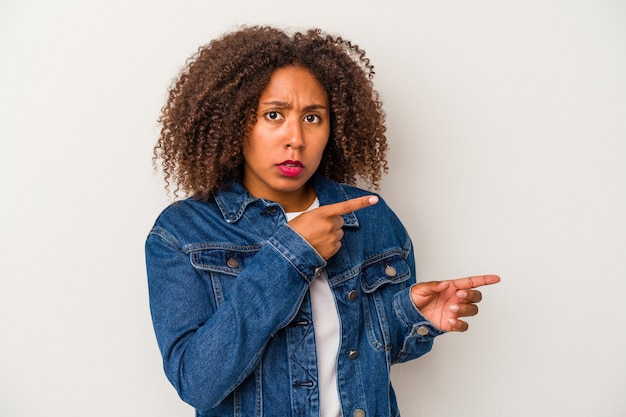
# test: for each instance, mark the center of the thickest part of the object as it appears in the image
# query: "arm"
(426, 310)
(429, 309)
(411, 332)
(207, 351)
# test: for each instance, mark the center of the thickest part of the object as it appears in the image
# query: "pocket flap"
(226, 260)
(391, 270)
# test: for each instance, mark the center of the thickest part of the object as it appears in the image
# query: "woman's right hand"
(322, 227)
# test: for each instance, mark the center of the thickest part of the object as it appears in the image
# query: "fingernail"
(373, 199)
(451, 322)
(454, 308)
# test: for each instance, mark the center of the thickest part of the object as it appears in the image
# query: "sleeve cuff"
(298, 252)
(421, 328)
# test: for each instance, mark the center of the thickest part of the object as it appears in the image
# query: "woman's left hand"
(443, 302)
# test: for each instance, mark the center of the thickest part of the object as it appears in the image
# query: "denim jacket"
(228, 282)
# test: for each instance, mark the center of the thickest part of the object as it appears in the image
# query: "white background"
(507, 122)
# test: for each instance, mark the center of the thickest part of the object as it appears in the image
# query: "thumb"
(426, 289)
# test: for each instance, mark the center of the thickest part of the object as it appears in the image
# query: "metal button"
(353, 354)
(390, 271)
(352, 296)
(232, 263)
(358, 413)
(318, 271)
(422, 331)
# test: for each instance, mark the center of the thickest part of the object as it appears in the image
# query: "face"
(286, 143)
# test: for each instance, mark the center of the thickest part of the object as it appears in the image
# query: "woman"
(276, 289)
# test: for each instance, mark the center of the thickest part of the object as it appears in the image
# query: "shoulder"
(379, 226)
(378, 215)
(185, 210)
(330, 191)
(184, 217)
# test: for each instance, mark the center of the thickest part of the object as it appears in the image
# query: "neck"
(299, 201)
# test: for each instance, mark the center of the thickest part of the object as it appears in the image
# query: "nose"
(295, 138)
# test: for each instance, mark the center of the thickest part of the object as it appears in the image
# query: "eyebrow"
(285, 105)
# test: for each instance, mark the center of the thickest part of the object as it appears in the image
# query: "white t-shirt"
(326, 324)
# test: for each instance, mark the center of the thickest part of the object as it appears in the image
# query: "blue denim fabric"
(228, 282)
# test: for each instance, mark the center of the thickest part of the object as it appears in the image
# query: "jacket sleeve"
(207, 352)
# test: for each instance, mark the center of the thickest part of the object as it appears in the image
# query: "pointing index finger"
(475, 281)
(348, 206)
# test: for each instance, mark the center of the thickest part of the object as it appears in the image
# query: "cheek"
(322, 148)
(323, 143)
(251, 142)
(249, 150)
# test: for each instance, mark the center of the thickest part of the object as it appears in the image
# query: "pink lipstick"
(290, 168)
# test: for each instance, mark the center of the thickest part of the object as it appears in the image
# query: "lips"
(290, 168)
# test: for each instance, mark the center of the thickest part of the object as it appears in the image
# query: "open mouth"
(290, 168)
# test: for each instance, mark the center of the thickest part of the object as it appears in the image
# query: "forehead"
(294, 82)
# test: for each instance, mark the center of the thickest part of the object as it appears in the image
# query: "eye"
(312, 118)
(273, 115)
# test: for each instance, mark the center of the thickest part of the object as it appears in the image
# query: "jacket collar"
(235, 199)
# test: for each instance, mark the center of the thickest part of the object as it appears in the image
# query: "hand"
(443, 302)
(322, 226)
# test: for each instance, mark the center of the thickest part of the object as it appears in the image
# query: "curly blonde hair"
(213, 104)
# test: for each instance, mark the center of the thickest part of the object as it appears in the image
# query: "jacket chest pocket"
(219, 267)
(380, 281)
